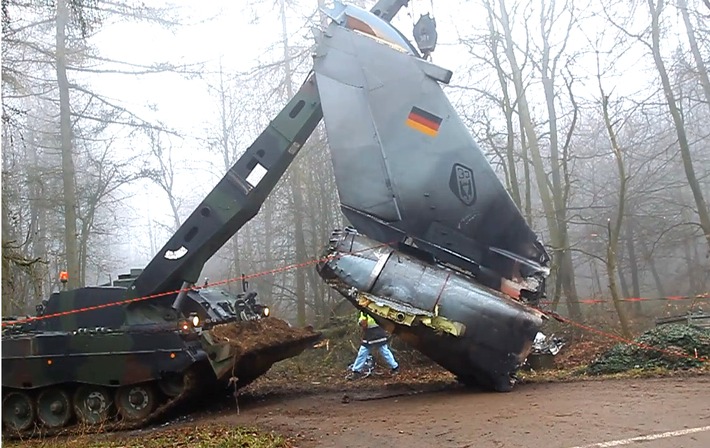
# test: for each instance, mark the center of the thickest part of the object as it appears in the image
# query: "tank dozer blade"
(477, 333)
(242, 351)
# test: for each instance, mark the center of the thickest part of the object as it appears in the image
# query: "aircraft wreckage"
(438, 253)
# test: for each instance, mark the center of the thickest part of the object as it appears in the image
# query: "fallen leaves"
(197, 436)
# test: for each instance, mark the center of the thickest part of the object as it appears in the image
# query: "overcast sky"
(243, 35)
(239, 37)
(226, 31)
(213, 32)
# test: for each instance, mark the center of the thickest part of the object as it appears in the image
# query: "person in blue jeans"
(373, 337)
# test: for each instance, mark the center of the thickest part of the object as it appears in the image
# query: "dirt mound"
(260, 334)
(679, 347)
(581, 352)
(246, 350)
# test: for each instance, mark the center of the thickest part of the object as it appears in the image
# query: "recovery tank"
(138, 348)
(90, 355)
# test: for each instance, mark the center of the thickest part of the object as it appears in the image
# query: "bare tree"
(614, 228)
(227, 142)
(552, 196)
(99, 190)
(48, 72)
(296, 186)
(702, 71)
(656, 9)
(68, 172)
(164, 176)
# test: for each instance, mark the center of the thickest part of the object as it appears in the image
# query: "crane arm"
(237, 198)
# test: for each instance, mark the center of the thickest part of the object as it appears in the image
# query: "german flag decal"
(424, 121)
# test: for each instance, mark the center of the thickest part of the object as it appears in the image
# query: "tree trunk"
(176, 213)
(615, 229)
(317, 215)
(596, 278)
(558, 191)
(6, 274)
(267, 263)
(633, 261)
(250, 253)
(569, 284)
(508, 111)
(633, 266)
(699, 63)
(689, 262)
(68, 171)
(38, 219)
(296, 193)
(235, 268)
(620, 272)
(557, 237)
(526, 121)
(702, 280)
(648, 257)
(557, 292)
(702, 207)
(83, 249)
(526, 174)
(611, 274)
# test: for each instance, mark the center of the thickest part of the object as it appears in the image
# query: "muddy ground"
(307, 402)
(567, 414)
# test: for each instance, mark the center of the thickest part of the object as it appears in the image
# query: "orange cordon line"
(163, 294)
(620, 338)
(705, 296)
(330, 257)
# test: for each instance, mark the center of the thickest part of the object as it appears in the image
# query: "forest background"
(119, 116)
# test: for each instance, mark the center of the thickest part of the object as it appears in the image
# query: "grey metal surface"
(498, 332)
(406, 279)
(397, 177)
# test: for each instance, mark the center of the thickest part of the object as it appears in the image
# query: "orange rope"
(167, 293)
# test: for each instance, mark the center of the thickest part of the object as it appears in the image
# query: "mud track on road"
(547, 415)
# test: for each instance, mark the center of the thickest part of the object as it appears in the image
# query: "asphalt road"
(648, 413)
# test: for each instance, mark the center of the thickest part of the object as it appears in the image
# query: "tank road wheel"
(136, 402)
(54, 407)
(92, 404)
(18, 411)
(172, 385)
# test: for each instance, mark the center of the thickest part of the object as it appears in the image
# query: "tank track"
(191, 385)
(198, 380)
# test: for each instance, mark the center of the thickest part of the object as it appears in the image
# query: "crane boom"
(237, 198)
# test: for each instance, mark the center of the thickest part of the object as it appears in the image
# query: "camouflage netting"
(680, 344)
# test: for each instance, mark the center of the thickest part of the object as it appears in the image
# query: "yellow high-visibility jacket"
(370, 320)
(373, 334)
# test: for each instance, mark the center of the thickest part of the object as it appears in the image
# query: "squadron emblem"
(461, 183)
